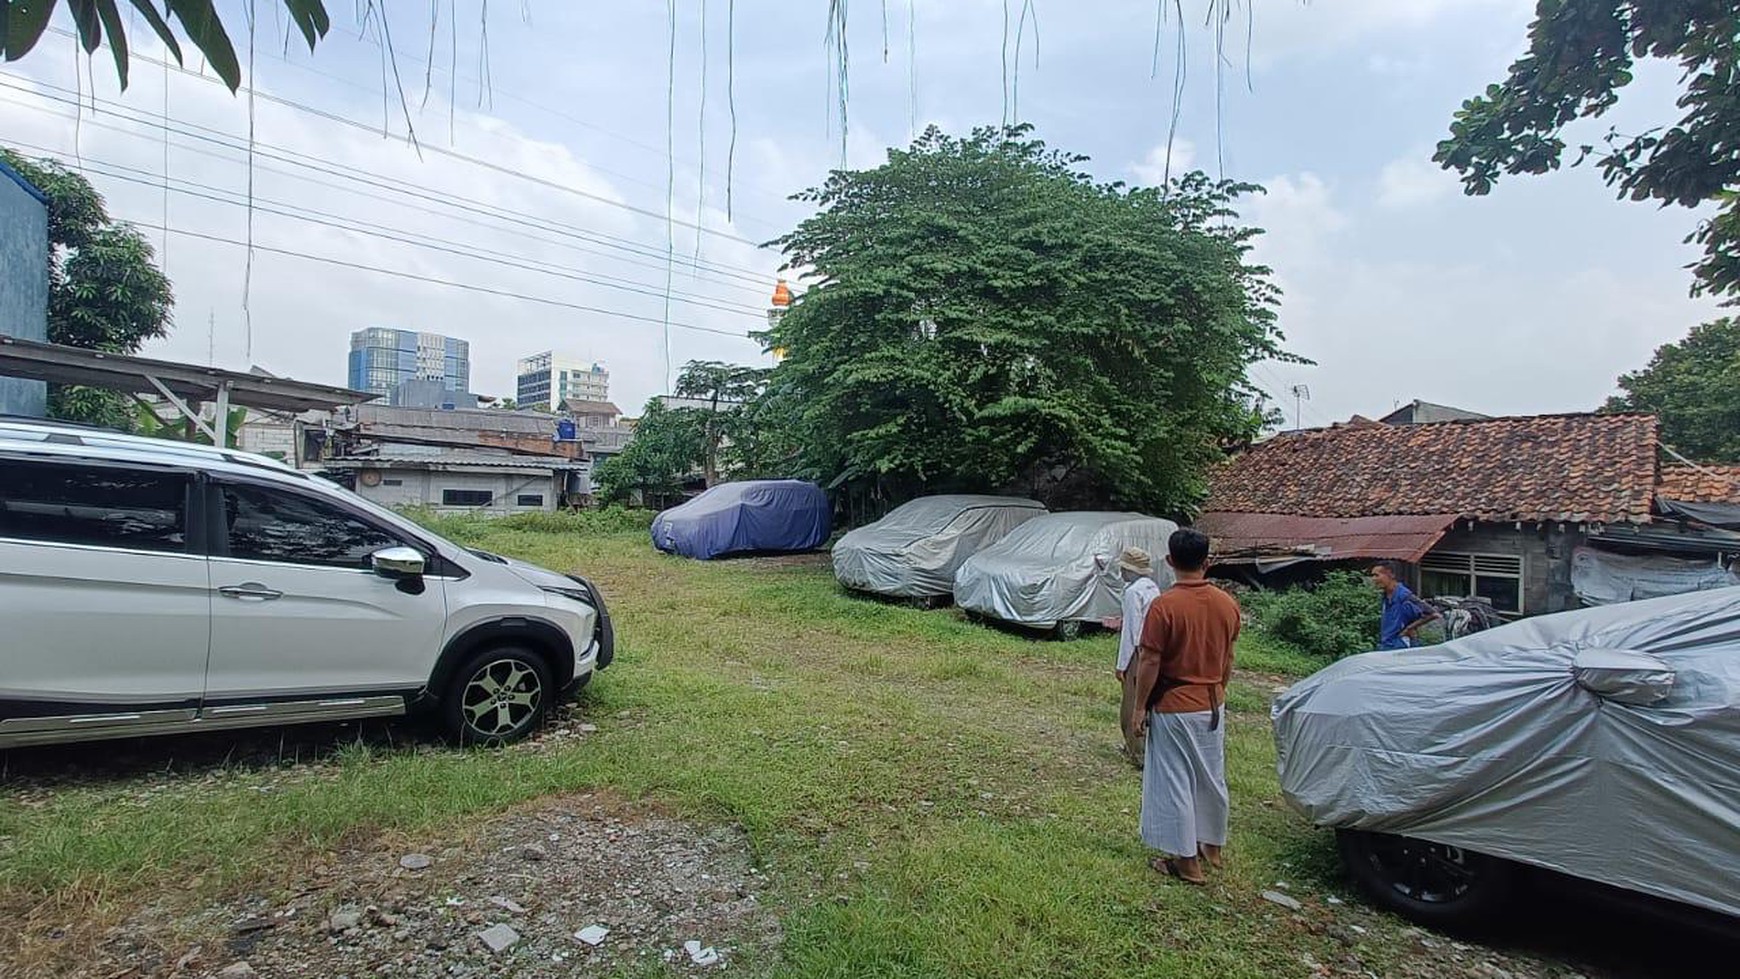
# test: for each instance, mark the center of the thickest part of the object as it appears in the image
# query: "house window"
(463, 497)
(531, 499)
(1498, 578)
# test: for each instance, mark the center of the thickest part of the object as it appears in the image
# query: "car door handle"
(250, 591)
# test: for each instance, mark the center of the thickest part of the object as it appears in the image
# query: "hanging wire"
(391, 56)
(429, 63)
(1179, 74)
(884, 31)
(1220, 91)
(730, 97)
(1027, 9)
(163, 249)
(911, 69)
(1005, 54)
(837, 44)
(670, 174)
(701, 140)
(248, 262)
(484, 84)
(452, 66)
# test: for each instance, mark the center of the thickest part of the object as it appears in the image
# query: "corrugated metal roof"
(1241, 538)
(464, 460)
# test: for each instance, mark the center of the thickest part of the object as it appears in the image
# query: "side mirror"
(397, 562)
(1624, 676)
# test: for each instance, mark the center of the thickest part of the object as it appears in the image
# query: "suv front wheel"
(498, 695)
(1437, 885)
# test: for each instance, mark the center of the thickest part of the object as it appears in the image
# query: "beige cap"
(1136, 561)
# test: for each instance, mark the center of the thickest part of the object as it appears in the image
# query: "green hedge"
(468, 527)
(1336, 617)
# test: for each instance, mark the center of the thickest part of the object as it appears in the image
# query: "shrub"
(1336, 617)
(466, 528)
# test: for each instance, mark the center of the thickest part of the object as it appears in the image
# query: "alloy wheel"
(501, 697)
(1431, 873)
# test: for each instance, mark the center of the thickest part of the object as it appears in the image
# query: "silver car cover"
(1060, 567)
(913, 552)
(1603, 743)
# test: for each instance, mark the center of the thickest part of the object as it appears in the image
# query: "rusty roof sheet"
(1582, 467)
(1245, 537)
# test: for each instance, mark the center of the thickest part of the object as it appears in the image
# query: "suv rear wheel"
(1434, 884)
(498, 695)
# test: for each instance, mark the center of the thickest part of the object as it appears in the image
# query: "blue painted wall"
(23, 283)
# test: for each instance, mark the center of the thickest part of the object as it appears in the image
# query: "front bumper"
(602, 649)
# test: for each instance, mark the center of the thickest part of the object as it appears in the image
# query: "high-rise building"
(382, 358)
(548, 379)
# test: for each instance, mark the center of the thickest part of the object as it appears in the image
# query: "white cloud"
(302, 311)
(1298, 215)
(1152, 169)
(1413, 181)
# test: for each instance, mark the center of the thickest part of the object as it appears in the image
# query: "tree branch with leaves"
(1581, 54)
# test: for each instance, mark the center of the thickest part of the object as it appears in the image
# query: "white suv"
(149, 587)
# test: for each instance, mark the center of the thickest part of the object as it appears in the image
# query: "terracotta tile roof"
(1584, 467)
(1699, 484)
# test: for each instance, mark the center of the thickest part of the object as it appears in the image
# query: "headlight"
(580, 595)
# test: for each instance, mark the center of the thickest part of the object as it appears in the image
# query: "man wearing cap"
(1140, 589)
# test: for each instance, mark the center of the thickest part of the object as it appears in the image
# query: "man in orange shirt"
(1183, 665)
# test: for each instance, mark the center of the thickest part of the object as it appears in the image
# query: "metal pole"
(222, 421)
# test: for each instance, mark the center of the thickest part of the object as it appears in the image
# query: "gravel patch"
(576, 885)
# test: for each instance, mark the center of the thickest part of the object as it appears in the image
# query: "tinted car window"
(268, 525)
(97, 505)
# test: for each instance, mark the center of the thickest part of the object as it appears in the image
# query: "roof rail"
(97, 437)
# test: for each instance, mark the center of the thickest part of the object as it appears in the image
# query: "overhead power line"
(414, 239)
(375, 181)
(373, 130)
(432, 280)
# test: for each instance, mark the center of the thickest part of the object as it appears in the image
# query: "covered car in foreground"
(744, 517)
(914, 551)
(1603, 744)
(1060, 570)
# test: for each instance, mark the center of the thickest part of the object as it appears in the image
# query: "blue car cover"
(754, 515)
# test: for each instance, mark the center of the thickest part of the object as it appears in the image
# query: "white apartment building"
(547, 379)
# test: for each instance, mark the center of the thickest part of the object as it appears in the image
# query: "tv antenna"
(1301, 394)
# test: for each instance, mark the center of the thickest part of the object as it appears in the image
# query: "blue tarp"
(755, 515)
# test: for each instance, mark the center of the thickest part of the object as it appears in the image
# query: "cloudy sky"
(530, 212)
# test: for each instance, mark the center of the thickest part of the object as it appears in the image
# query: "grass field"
(929, 797)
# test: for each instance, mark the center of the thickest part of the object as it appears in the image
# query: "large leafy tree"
(728, 425)
(1693, 386)
(667, 447)
(1581, 53)
(987, 316)
(724, 391)
(105, 291)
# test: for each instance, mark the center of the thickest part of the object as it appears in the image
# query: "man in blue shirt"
(1404, 613)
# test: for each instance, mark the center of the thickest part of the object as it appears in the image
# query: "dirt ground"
(530, 880)
(419, 906)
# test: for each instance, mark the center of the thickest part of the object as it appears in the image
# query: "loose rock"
(416, 861)
(1276, 897)
(237, 970)
(499, 938)
(344, 919)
